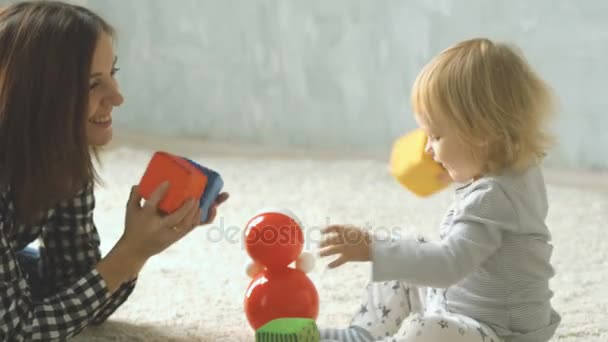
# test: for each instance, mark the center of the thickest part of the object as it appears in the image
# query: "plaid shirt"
(73, 293)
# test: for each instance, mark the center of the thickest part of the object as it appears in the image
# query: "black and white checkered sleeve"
(117, 299)
(70, 248)
(69, 241)
(53, 318)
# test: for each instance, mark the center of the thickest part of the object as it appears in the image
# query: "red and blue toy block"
(187, 179)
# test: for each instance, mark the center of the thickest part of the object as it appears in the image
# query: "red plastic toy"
(274, 240)
(185, 180)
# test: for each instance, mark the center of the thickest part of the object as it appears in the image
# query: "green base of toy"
(288, 330)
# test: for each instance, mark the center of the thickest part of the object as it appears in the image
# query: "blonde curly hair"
(490, 97)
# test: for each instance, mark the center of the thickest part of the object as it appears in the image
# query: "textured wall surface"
(337, 74)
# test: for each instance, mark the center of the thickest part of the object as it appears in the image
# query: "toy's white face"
(446, 149)
(103, 94)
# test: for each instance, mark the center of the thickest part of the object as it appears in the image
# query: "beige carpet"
(194, 291)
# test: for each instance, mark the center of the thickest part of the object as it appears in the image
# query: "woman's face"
(104, 94)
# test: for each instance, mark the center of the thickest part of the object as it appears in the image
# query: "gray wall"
(337, 73)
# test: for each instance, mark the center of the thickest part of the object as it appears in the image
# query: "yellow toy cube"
(413, 168)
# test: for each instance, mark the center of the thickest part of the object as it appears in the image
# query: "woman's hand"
(148, 231)
(352, 243)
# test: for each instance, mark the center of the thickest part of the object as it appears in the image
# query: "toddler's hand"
(352, 243)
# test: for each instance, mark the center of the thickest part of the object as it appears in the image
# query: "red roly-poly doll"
(274, 240)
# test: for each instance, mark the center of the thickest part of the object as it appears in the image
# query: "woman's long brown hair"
(46, 49)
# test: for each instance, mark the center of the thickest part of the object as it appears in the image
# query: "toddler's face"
(449, 151)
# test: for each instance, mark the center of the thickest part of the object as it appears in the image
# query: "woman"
(57, 92)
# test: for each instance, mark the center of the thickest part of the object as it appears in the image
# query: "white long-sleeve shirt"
(493, 257)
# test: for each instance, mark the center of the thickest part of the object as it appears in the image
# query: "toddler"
(487, 279)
